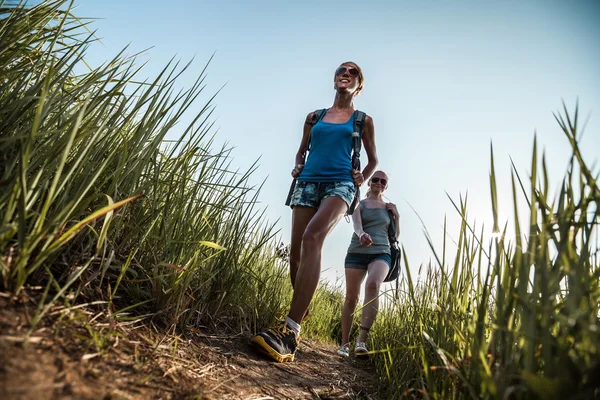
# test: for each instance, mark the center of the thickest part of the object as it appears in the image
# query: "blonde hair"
(361, 77)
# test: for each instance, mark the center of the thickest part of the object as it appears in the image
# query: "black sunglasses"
(376, 179)
(351, 71)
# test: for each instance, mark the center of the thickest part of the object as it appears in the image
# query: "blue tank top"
(330, 155)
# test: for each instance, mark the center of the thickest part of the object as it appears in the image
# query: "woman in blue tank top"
(368, 255)
(325, 189)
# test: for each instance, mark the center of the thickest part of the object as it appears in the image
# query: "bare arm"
(368, 139)
(363, 237)
(357, 222)
(301, 154)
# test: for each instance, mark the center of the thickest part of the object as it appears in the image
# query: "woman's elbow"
(374, 161)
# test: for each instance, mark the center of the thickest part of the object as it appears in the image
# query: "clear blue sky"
(443, 80)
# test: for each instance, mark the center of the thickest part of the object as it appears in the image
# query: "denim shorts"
(311, 194)
(362, 261)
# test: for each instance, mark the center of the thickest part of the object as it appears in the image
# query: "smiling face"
(348, 78)
(378, 182)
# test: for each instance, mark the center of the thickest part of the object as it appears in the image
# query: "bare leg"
(377, 272)
(354, 278)
(301, 216)
(328, 215)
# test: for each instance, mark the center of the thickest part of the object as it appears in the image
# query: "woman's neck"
(376, 197)
(343, 101)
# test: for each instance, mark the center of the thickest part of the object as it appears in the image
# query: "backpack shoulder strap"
(392, 228)
(359, 122)
(316, 117)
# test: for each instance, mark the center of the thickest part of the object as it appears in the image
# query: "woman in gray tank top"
(368, 255)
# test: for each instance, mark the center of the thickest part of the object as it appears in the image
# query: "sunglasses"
(383, 181)
(351, 71)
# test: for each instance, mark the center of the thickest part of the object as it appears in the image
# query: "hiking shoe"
(361, 350)
(344, 350)
(278, 342)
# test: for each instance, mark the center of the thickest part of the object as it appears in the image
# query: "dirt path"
(79, 355)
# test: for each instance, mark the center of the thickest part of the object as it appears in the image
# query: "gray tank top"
(375, 222)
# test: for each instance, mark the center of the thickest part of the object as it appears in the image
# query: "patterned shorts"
(311, 194)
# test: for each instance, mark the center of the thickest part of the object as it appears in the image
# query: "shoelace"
(279, 330)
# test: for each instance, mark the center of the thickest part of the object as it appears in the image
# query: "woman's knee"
(372, 285)
(351, 300)
(313, 238)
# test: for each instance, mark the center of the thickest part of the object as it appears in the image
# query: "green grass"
(511, 317)
(95, 203)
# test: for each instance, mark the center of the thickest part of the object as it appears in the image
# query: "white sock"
(293, 325)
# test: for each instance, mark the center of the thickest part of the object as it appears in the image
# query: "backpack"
(359, 120)
(396, 253)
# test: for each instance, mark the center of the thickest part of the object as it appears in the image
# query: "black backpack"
(359, 121)
(396, 253)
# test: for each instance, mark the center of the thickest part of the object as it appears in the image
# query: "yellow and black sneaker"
(278, 342)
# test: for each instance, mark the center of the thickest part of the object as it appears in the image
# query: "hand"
(392, 207)
(358, 177)
(297, 169)
(365, 239)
